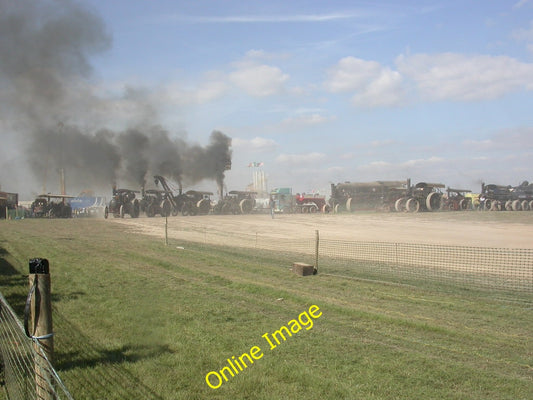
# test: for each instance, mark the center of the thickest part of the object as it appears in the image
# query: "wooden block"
(303, 269)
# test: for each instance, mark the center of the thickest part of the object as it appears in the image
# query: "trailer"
(88, 206)
(359, 196)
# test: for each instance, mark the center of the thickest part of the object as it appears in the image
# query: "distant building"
(8, 201)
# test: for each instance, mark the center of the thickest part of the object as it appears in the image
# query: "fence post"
(316, 251)
(166, 230)
(41, 325)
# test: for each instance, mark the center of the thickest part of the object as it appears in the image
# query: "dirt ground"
(504, 229)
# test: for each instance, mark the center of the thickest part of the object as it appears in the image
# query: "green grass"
(136, 319)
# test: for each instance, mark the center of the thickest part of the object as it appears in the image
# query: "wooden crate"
(303, 269)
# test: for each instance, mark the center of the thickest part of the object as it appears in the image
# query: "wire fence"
(27, 372)
(482, 267)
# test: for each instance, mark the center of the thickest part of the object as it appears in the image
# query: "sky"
(318, 92)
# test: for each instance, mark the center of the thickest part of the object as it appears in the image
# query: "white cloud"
(520, 4)
(450, 76)
(525, 35)
(516, 140)
(374, 85)
(351, 74)
(257, 144)
(385, 90)
(300, 159)
(258, 80)
(383, 143)
(422, 162)
(249, 19)
(307, 119)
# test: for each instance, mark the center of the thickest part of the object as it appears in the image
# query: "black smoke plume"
(47, 101)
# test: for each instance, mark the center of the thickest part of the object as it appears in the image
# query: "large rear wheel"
(433, 201)
(399, 205)
(412, 205)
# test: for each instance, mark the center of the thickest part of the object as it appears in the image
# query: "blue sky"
(326, 92)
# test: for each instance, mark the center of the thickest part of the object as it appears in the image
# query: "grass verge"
(134, 318)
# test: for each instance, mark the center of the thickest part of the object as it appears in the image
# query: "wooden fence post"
(41, 326)
(166, 230)
(316, 251)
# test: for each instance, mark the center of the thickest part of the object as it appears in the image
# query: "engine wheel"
(165, 208)
(399, 205)
(203, 206)
(121, 211)
(246, 206)
(135, 209)
(150, 210)
(433, 201)
(186, 209)
(525, 205)
(349, 205)
(412, 205)
(516, 206)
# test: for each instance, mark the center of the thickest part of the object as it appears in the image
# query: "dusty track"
(479, 229)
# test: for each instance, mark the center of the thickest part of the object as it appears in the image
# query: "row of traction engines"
(508, 198)
(158, 202)
(398, 196)
(163, 202)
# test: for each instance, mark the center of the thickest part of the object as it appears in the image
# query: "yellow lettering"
(242, 361)
(272, 345)
(254, 350)
(209, 383)
(309, 321)
(232, 366)
(315, 308)
(281, 334)
(224, 375)
(293, 323)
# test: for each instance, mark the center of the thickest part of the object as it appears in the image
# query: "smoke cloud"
(48, 102)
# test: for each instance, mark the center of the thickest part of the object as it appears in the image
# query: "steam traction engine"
(122, 203)
(456, 200)
(43, 206)
(196, 203)
(421, 197)
(285, 202)
(155, 202)
(236, 202)
(497, 197)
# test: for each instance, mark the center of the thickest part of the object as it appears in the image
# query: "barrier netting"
(491, 268)
(26, 371)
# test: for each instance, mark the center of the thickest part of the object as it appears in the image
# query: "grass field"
(136, 319)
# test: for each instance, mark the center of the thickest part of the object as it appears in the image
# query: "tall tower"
(259, 179)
